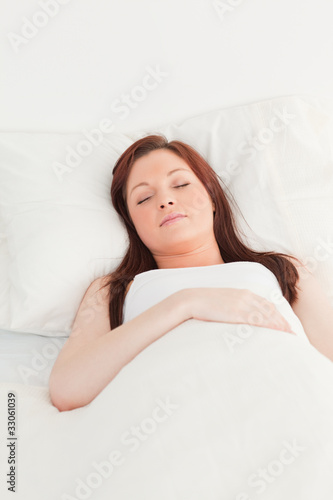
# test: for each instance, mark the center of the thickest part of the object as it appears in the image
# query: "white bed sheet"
(194, 416)
(27, 358)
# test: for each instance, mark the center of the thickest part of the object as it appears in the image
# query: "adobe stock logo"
(40, 361)
(266, 134)
(265, 476)
(255, 144)
(121, 106)
(224, 7)
(31, 28)
(131, 438)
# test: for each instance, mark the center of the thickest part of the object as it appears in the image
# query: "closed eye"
(182, 185)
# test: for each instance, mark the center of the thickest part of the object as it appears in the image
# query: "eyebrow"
(169, 173)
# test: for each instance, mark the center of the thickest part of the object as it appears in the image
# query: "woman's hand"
(233, 305)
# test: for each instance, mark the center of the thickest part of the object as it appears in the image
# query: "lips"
(174, 215)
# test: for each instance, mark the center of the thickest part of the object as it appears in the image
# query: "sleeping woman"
(185, 260)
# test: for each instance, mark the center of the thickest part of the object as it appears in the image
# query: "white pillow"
(275, 156)
(62, 230)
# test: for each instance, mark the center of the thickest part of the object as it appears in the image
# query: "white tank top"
(151, 287)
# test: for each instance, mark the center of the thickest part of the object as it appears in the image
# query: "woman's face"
(161, 195)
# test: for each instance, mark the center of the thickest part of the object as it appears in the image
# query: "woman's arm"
(93, 355)
(314, 311)
(234, 305)
(91, 359)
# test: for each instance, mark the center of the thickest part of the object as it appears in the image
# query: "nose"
(169, 203)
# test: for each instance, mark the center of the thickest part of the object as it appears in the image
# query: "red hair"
(138, 257)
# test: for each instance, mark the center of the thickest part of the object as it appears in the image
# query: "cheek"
(199, 200)
(142, 221)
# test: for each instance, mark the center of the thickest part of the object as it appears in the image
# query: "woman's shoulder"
(98, 288)
(100, 285)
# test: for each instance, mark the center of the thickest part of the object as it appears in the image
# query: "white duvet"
(210, 411)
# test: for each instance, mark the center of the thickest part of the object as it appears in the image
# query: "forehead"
(159, 159)
(153, 163)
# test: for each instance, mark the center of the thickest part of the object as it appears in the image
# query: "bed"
(188, 417)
